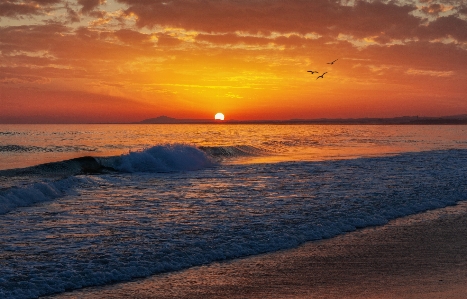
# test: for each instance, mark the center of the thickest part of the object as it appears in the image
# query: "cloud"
(232, 38)
(279, 40)
(430, 73)
(258, 25)
(43, 2)
(30, 38)
(230, 16)
(444, 27)
(378, 21)
(320, 16)
(73, 16)
(434, 9)
(11, 9)
(23, 59)
(7, 79)
(419, 55)
(132, 37)
(89, 5)
(75, 46)
(165, 40)
(17, 8)
(375, 19)
(254, 22)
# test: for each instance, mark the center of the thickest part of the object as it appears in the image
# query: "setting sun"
(219, 116)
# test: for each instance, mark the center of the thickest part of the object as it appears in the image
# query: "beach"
(418, 256)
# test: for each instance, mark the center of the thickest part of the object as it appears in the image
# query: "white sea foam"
(23, 196)
(161, 158)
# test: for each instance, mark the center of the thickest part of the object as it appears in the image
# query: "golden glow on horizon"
(219, 116)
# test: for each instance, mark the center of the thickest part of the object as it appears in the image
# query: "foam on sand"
(420, 256)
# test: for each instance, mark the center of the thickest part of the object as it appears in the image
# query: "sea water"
(86, 205)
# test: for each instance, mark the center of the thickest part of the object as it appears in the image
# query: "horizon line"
(447, 119)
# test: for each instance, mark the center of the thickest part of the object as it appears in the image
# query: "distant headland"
(403, 120)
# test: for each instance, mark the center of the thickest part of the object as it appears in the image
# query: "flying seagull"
(332, 62)
(312, 72)
(322, 76)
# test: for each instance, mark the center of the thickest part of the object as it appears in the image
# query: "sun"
(219, 116)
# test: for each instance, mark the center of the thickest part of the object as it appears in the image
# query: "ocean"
(92, 205)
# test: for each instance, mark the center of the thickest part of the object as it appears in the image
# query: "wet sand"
(421, 256)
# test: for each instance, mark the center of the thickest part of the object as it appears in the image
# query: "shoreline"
(418, 256)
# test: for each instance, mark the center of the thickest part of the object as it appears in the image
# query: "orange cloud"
(16, 8)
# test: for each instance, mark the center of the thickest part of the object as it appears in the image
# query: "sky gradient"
(127, 60)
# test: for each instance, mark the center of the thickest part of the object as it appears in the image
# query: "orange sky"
(127, 60)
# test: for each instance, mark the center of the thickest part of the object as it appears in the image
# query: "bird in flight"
(312, 72)
(322, 76)
(332, 62)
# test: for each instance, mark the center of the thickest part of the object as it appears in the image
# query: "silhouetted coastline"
(404, 120)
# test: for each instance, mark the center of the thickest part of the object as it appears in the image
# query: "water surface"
(156, 198)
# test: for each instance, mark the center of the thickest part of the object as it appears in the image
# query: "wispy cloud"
(429, 73)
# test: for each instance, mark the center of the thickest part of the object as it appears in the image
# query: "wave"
(11, 133)
(27, 186)
(24, 196)
(18, 148)
(160, 158)
(15, 148)
(234, 151)
(82, 165)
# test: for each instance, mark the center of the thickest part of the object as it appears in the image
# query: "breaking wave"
(160, 158)
(37, 192)
(27, 186)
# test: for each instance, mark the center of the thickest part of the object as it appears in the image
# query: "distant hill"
(170, 120)
(403, 120)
